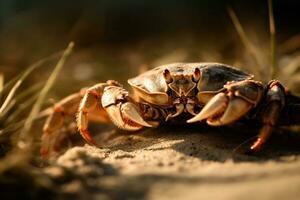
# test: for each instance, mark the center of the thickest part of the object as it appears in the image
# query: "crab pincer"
(232, 104)
(116, 102)
(122, 112)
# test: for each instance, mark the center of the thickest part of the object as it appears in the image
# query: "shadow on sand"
(207, 143)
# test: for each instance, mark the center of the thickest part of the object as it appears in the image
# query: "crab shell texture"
(208, 78)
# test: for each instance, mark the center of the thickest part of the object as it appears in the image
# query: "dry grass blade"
(14, 122)
(272, 40)
(30, 91)
(293, 82)
(21, 109)
(21, 97)
(1, 82)
(17, 82)
(9, 84)
(10, 129)
(10, 96)
(16, 156)
(291, 67)
(25, 135)
(290, 45)
(246, 41)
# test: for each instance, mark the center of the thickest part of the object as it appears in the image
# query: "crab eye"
(196, 75)
(167, 76)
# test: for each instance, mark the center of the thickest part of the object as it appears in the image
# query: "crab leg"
(290, 112)
(68, 107)
(89, 103)
(275, 100)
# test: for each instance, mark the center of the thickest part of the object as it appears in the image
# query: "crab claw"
(126, 116)
(215, 105)
(122, 113)
(237, 107)
(222, 109)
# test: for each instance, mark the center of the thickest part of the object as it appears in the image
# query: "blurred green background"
(115, 39)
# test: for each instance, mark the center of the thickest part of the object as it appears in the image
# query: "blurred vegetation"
(125, 35)
(17, 137)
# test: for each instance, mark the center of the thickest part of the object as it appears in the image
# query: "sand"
(180, 162)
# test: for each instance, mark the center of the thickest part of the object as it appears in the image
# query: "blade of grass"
(273, 70)
(30, 91)
(25, 135)
(16, 82)
(12, 123)
(292, 66)
(245, 40)
(12, 128)
(293, 81)
(10, 96)
(20, 109)
(290, 45)
(1, 83)
(10, 83)
(23, 95)
(16, 156)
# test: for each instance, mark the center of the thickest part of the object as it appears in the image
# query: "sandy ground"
(180, 162)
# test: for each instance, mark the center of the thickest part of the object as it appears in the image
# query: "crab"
(214, 93)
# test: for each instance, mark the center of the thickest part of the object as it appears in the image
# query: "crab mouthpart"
(179, 110)
(126, 116)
